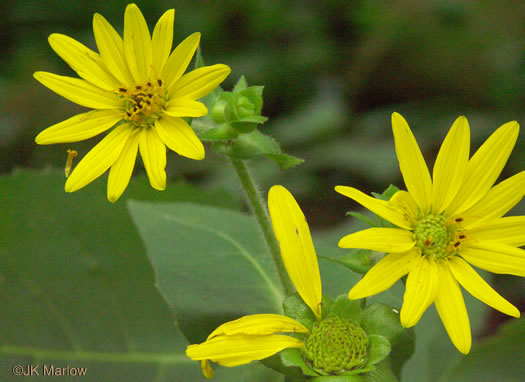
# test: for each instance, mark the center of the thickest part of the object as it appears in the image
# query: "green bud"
(245, 108)
(336, 346)
(218, 111)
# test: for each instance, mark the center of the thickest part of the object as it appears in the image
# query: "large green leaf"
(76, 288)
(497, 358)
(212, 266)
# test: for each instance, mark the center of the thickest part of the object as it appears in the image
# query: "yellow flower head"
(445, 223)
(254, 337)
(137, 87)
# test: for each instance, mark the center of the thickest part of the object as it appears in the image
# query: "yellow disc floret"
(143, 104)
(436, 237)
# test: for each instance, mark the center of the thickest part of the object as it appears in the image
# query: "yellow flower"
(137, 88)
(445, 224)
(254, 337)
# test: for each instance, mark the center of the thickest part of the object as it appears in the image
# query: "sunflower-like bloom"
(444, 224)
(136, 87)
(256, 337)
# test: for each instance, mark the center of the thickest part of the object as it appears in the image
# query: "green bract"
(232, 126)
(347, 344)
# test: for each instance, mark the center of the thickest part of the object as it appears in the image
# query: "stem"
(258, 207)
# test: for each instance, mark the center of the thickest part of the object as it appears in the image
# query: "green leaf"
(379, 348)
(253, 144)
(387, 194)
(383, 320)
(382, 372)
(340, 378)
(78, 290)
(240, 85)
(348, 309)
(295, 308)
(199, 61)
(496, 358)
(363, 218)
(293, 358)
(210, 264)
(357, 260)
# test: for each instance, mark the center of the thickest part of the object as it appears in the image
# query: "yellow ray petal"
(484, 168)
(451, 165)
(394, 240)
(497, 202)
(111, 49)
(259, 324)
(80, 127)
(478, 288)
(99, 159)
(121, 170)
(380, 207)
(421, 290)
(452, 311)
(495, 257)
(508, 230)
(179, 137)
(153, 153)
(79, 91)
(405, 205)
(162, 40)
(384, 274)
(137, 44)
(412, 164)
(297, 248)
(240, 349)
(199, 82)
(179, 60)
(84, 61)
(182, 107)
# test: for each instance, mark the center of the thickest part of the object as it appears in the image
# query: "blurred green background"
(333, 72)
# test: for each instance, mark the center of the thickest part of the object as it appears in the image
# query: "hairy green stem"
(258, 207)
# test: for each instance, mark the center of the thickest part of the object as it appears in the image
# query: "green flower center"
(436, 238)
(335, 346)
(143, 104)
